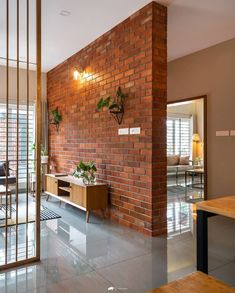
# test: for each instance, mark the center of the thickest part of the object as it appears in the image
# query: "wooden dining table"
(195, 283)
(223, 206)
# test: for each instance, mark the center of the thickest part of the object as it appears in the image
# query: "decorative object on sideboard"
(116, 107)
(86, 172)
(56, 118)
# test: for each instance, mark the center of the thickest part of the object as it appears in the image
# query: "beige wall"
(23, 80)
(211, 72)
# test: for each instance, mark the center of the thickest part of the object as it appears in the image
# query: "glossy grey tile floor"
(181, 251)
(80, 257)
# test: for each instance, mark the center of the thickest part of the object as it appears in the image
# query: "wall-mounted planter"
(56, 118)
(116, 107)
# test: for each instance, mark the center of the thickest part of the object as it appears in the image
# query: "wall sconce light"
(76, 74)
(80, 73)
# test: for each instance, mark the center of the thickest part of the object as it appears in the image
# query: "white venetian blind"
(179, 135)
(12, 136)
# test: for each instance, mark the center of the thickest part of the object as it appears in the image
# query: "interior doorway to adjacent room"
(186, 180)
(186, 162)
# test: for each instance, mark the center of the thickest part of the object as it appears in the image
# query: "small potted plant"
(115, 107)
(44, 153)
(56, 118)
(86, 172)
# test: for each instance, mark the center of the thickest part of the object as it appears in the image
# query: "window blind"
(179, 136)
(12, 137)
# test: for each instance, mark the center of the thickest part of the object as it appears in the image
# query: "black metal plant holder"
(57, 125)
(117, 107)
(118, 115)
(56, 118)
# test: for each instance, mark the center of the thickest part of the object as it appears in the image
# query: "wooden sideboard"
(72, 191)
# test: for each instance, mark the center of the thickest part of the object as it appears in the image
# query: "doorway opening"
(186, 180)
(186, 163)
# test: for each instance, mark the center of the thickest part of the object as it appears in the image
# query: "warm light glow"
(196, 137)
(75, 74)
(82, 75)
(85, 74)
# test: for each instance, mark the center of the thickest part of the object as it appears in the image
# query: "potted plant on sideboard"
(86, 172)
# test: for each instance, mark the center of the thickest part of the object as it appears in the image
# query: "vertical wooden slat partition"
(17, 125)
(39, 127)
(27, 127)
(7, 118)
(17, 253)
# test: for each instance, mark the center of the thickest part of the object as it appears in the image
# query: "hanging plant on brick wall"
(115, 106)
(56, 118)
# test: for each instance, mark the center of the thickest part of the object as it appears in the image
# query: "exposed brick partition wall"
(159, 94)
(131, 55)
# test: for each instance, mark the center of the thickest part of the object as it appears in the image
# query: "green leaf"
(82, 166)
(120, 94)
(100, 104)
(57, 117)
(103, 103)
(91, 166)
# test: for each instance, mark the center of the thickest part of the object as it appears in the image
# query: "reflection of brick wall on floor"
(131, 55)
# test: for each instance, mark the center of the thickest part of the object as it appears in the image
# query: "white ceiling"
(192, 25)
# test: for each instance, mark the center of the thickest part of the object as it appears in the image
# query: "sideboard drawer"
(52, 185)
(78, 195)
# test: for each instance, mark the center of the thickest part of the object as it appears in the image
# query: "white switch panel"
(123, 131)
(135, 130)
(232, 132)
(222, 133)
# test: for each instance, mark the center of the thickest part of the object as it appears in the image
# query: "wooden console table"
(72, 191)
(223, 206)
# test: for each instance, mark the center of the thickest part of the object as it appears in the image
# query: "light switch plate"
(135, 130)
(123, 131)
(232, 132)
(222, 133)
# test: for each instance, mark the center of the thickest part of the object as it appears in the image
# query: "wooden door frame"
(205, 160)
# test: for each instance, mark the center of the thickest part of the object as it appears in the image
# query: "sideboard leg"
(87, 216)
(103, 213)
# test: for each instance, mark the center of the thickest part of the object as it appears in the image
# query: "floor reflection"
(92, 257)
(81, 257)
(181, 206)
(181, 218)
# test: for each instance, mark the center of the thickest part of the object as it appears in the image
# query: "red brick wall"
(159, 107)
(131, 55)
